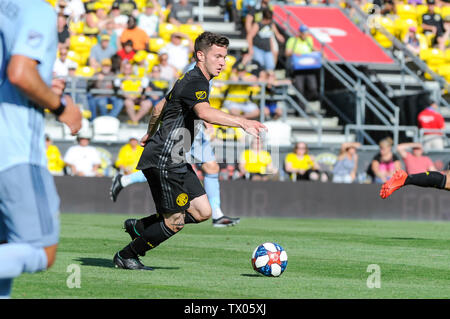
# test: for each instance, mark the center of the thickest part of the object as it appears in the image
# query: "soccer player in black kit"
(176, 190)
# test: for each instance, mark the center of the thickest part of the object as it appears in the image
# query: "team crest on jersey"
(182, 199)
(200, 95)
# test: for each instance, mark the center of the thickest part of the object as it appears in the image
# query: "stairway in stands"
(214, 21)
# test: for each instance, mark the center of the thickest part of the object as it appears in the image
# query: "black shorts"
(173, 191)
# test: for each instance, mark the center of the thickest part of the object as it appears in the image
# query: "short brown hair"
(206, 40)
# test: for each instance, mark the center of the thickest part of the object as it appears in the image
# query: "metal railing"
(358, 83)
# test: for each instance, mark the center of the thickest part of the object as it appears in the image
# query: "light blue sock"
(5, 288)
(212, 188)
(134, 178)
(16, 259)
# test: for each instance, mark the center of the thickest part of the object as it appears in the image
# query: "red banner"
(331, 26)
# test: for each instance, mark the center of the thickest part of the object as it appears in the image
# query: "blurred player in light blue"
(29, 203)
(201, 152)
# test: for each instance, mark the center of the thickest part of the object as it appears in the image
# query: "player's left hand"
(144, 140)
(254, 128)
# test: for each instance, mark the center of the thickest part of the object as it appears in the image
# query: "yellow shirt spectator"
(129, 156)
(256, 162)
(55, 163)
(303, 162)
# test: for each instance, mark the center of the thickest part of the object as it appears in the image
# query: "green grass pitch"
(326, 259)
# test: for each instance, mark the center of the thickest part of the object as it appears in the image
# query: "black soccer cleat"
(129, 263)
(225, 221)
(116, 187)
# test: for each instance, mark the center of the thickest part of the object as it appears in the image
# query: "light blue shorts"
(201, 150)
(29, 206)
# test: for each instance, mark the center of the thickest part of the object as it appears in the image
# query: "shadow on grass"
(251, 275)
(107, 263)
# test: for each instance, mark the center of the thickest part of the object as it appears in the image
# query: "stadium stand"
(371, 85)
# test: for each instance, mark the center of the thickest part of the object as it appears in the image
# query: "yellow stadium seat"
(433, 57)
(76, 27)
(140, 56)
(192, 30)
(445, 11)
(389, 26)
(80, 43)
(447, 55)
(85, 71)
(433, 68)
(140, 4)
(229, 62)
(402, 26)
(74, 56)
(152, 60)
(166, 30)
(156, 44)
(421, 9)
(444, 70)
(406, 11)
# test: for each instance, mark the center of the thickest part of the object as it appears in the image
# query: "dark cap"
(431, 2)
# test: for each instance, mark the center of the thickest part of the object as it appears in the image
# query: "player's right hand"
(254, 127)
(71, 116)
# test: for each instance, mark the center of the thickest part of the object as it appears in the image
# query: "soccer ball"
(269, 259)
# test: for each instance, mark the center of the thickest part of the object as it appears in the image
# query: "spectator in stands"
(411, 41)
(55, 163)
(101, 51)
(238, 101)
(74, 9)
(137, 35)
(120, 20)
(251, 65)
(384, 163)
(95, 20)
(129, 156)
(415, 161)
(114, 41)
(302, 166)
(430, 119)
(127, 52)
(346, 166)
(181, 13)
(261, 43)
(157, 87)
(150, 19)
(100, 101)
(83, 159)
(446, 35)
(62, 63)
(168, 72)
(272, 110)
(254, 12)
(177, 52)
(63, 31)
(126, 7)
(432, 23)
(132, 89)
(305, 81)
(256, 163)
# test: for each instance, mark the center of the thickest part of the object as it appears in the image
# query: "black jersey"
(167, 147)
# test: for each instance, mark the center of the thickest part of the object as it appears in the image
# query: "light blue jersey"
(31, 33)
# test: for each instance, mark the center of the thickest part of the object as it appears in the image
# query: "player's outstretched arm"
(214, 116)
(22, 72)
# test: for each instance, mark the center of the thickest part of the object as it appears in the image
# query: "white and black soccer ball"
(269, 259)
